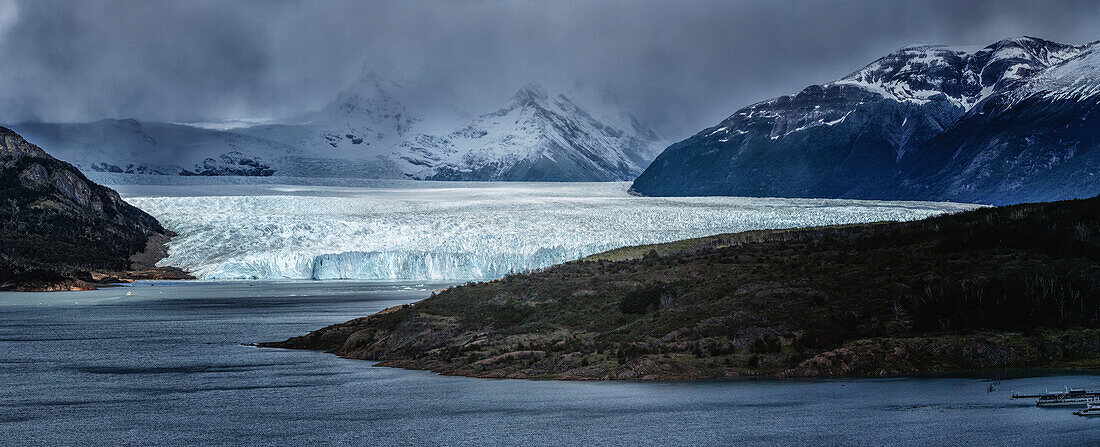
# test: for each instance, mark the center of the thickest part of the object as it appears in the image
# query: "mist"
(679, 66)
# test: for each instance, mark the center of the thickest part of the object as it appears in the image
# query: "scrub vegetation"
(1014, 286)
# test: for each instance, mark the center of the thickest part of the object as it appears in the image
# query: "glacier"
(452, 231)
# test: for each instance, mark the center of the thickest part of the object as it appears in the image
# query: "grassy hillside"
(996, 287)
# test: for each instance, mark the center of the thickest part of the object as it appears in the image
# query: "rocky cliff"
(59, 230)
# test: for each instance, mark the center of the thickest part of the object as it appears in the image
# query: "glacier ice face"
(453, 231)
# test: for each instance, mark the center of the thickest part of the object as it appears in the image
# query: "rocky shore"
(873, 357)
(94, 280)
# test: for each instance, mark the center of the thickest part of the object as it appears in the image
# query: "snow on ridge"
(838, 120)
(1074, 78)
(951, 76)
(371, 120)
(811, 122)
(898, 76)
(532, 126)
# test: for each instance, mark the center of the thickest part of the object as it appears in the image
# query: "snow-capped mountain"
(882, 131)
(363, 122)
(130, 146)
(370, 130)
(352, 136)
(535, 137)
(1036, 141)
(964, 76)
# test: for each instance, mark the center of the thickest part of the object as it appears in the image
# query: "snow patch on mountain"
(965, 77)
(1073, 78)
(372, 130)
(1013, 121)
(536, 136)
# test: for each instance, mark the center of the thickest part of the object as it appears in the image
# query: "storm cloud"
(680, 65)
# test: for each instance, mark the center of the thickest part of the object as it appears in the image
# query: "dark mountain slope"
(825, 141)
(925, 122)
(57, 228)
(1039, 141)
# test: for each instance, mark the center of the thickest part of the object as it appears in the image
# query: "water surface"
(162, 363)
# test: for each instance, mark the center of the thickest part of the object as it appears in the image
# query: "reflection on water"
(166, 366)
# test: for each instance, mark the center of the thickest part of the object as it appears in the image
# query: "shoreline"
(1008, 373)
(84, 281)
(993, 288)
(142, 267)
(824, 365)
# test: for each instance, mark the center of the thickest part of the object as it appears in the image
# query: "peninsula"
(1005, 287)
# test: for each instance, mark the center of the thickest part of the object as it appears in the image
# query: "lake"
(164, 363)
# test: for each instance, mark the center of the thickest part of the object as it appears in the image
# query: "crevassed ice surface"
(453, 231)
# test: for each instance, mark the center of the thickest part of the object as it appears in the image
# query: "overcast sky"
(680, 65)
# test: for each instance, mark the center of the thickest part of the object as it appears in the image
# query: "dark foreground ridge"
(1015, 286)
(61, 231)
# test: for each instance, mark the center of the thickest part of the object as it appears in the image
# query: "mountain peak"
(536, 136)
(964, 75)
(8, 133)
(381, 77)
(1078, 76)
(531, 93)
(14, 147)
(370, 105)
(932, 48)
(1031, 50)
(1025, 41)
(1012, 121)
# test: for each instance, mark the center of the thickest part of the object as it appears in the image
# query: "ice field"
(452, 231)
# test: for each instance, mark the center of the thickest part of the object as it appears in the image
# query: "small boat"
(1093, 409)
(1068, 398)
(1019, 395)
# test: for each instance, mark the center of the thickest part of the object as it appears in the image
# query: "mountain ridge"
(534, 136)
(866, 134)
(369, 130)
